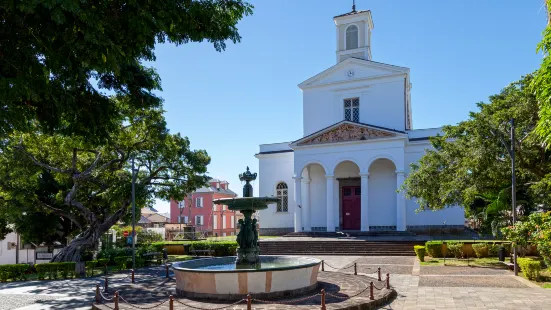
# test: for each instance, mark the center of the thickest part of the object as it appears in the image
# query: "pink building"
(199, 211)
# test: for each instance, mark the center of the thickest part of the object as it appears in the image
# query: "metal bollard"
(371, 291)
(105, 285)
(355, 270)
(170, 302)
(322, 265)
(166, 268)
(323, 299)
(116, 298)
(133, 276)
(379, 273)
(249, 302)
(98, 300)
(388, 281)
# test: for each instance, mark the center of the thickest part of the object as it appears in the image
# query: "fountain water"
(234, 277)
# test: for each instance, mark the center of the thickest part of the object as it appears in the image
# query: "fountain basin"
(218, 278)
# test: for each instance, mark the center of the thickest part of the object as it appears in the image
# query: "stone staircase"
(338, 247)
(382, 233)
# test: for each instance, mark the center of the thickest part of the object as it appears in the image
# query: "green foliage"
(530, 268)
(480, 249)
(123, 262)
(90, 266)
(65, 59)
(455, 249)
(493, 249)
(536, 229)
(52, 270)
(434, 248)
(471, 167)
(220, 248)
(420, 252)
(542, 84)
(111, 253)
(103, 262)
(13, 271)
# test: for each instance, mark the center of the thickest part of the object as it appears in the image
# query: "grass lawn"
(232, 238)
(177, 258)
(474, 262)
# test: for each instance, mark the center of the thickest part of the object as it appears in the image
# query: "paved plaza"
(418, 287)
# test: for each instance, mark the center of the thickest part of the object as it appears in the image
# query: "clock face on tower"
(351, 72)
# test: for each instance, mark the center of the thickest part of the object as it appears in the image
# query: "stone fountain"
(264, 276)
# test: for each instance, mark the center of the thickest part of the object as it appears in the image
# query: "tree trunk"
(86, 240)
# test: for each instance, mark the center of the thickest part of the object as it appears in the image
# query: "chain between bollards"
(355, 270)
(388, 281)
(249, 302)
(371, 291)
(116, 300)
(170, 302)
(322, 265)
(98, 297)
(323, 299)
(133, 276)
(379, 273)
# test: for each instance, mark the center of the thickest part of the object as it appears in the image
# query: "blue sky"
(228, 103)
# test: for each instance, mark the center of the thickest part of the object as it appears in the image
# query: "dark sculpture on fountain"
(247, 238)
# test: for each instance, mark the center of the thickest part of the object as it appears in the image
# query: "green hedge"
(455, 249)
(13, 271)
(90, 266)
(123, 262)
(221, 248)
(480, 249)
(529, 267)
(434, 248)
(52, 270)
(420, 252)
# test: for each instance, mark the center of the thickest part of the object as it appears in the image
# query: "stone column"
(330, 202)
(365, 202)
(298, 204)
(306, 217)
(400, 203)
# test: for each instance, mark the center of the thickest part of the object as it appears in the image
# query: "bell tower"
(354, 34)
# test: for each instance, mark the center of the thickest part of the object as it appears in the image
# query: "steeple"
(354, 34)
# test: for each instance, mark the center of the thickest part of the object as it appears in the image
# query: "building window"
(223, 222)
(352, 37)
(352, 109)
(232, 222)
(199, 202)
(182, 204)
(199, 220)
(282, 194)
(182, 219)
(215, 222)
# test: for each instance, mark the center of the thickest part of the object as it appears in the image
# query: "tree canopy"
(542, 83)
(60, 61)
(470, 166)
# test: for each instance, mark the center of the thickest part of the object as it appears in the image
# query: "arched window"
(282, 194)
(351, 37)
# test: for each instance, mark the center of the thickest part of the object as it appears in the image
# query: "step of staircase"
(340, 247)
(351, 233)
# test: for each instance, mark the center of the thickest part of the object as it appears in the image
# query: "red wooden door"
(351, 201)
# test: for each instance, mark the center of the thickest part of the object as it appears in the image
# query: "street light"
(134, 174)
(514, 189)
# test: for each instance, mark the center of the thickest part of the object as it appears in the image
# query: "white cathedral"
(355, 151)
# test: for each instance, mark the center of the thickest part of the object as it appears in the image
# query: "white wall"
(272, 169)
(8, 256)
(381, 102)
(382, 193)
(318, 201)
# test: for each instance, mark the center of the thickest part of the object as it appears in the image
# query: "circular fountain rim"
(314, 262)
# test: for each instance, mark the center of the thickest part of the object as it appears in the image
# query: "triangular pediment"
(345, 132)
(353, 69)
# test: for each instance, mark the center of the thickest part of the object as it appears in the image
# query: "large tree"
(542, 83)
(60, 60)
(90, 186)
(470, 166)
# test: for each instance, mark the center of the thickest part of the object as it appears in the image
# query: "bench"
(153, 257)
(207, 252)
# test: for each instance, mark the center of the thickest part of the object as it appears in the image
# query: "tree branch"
(61, 213)
(22, 148)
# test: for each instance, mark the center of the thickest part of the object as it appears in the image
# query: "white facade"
(355, 151)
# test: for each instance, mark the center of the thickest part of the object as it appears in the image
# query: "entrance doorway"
(351, 207)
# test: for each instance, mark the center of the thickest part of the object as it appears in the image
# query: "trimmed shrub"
(103, 262)
(529, 267)
(434, 248)
(13, 271)
(122, 262)
(493, 249)
(480, 249)
(90, 266)
(111, 253)
(455, 249)
(67, 270)
(420, 252)
(220, 248)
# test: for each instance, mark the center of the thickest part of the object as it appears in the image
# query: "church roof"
(352, 13)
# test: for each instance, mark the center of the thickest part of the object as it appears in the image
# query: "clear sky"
(228, 103)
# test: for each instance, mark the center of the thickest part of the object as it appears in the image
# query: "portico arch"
(347, 187)
(382, 194)
(313, 196)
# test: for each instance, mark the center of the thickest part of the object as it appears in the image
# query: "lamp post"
(133, 215)
(513, 190)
